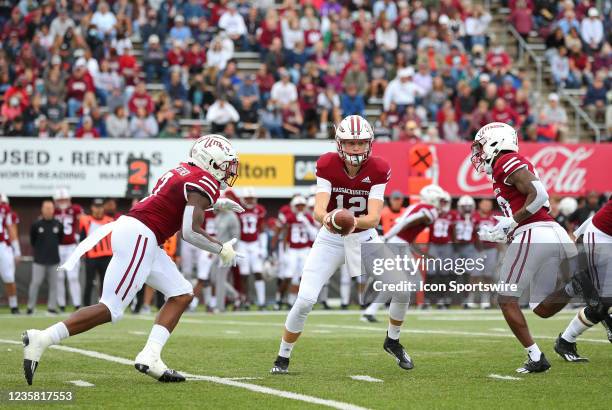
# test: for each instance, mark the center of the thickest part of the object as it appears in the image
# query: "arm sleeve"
(195, 238)
(540, 200)
(378, 192)
(323, 185)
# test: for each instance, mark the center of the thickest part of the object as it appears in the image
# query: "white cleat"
(34, 344)
(152, 365)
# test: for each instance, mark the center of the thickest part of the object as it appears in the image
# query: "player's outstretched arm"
(193, 218)
(408, 221)
(528, 184)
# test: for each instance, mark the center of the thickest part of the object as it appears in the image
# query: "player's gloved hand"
(227, 256)
(505, 225)
(300, 217)
(226, 204)
(485, 234)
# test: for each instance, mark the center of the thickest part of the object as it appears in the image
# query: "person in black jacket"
(45, 236)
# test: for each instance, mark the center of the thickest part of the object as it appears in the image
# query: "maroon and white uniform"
(598, 245)
(486, 250)
(205, 259)
(7, 262)
(441, 232)
(136, 237)
(409, 235)
(300, 233)
(539, 244)
(69, 218)
(283, 260)
(465, 239)
(252, 242)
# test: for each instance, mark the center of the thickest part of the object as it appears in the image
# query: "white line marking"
(243, 378)
(499, 329)
(81, 383)
(366, 378)
(137, 333)
(500, 377)
(232, 332)
(461, 318)
(219, 380)
(321, 331)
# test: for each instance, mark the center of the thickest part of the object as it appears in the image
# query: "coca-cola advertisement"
(565, 169)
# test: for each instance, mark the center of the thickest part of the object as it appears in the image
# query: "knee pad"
(297, 316)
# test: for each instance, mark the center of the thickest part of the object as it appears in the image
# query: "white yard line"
(366, 378)
(500, 377)
(137, 333)
(81, 383)
(214, 379)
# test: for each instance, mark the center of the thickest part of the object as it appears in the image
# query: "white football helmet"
(310, 203)
(432, 195)
(567, 206)
(297, 201)
(249, 199)
(489, 141)
(354, 127)
(466, 204)
(61, 193)
(215, 154)
(445, 202)
(4, 199)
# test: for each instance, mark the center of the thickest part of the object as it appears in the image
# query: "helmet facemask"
(352, 158)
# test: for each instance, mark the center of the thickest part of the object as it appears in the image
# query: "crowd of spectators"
(577, 36)
(72, 69)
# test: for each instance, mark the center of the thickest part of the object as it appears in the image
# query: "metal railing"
(523, 48)
(580, 113)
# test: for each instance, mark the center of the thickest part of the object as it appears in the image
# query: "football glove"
(505, 225)
(486, 234)
(227, 256)
(226, 204)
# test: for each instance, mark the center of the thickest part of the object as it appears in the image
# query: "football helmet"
(215, 154)
(249, 199)
(445, 202)
(433, 195)
(61, 197)
(297, 201)
(567, 206)
(4, 199)
(489, 141)
(354, 127)
(466, 204)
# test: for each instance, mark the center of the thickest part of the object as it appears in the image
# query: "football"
(342, 221)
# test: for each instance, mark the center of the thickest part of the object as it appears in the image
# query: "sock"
(345, 293)
(213, 302)
(194, 303)
(12, 301)
(57, 332)
(576, 327)
(373, 308)
(157, 339)
(207, 295)
(393, 331)
(260, 290)
(285, 349)
(534, 352)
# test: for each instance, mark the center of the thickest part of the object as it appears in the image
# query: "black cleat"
(607, 324)
(325, 306)
(368, 318)
(395, 349)
(567, 350)
(30, 311)
(61, 308)
(534, 367)
(344, 307)
(168, 376)
(15, 311)
(281, 365)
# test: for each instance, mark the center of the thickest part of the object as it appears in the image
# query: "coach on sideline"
(45, 236)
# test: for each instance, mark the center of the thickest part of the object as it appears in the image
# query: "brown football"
(342, 221)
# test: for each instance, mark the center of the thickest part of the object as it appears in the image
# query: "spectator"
(292, 32)
(283, 91)
(328, 104)
(586, 210)
(233, 23)
(55, 111)
(61, 24)
(217, 56)
(249, 97)
(595, 99)
(560, 68)
(221, 113)
(195, 58)
(143, 125)
(170, 130)
(272, 120)
(521, 18)
(154, 60)
(178, 94)
(45, 236)
(104, 20)
(498, 62)
(107, 81)
(385, 6)
(292, 120)
(153, 26)
(476, 26)
(351, 102)
(269, 31)
(180, 31)
(554, 114)
(98, 258)
(377, 76)
(503, 113)
(16, 128)
(356, 75)
(402, 90)
(117, 125)
(592, 31)
(141, 99)
(129, 68)
(386, 39)
(450, 127)
(78, 85)
(436, 97)
(55, 81)
(87, 130)
(480, 117)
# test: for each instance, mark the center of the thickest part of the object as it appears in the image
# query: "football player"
(465, 239)
(597, 240)
(205, 262)
(349, 178)
(440, 246)
(539, 245)
(487, 250)
(69, 215)
(10, 251)
(253, 244)
(178, 202)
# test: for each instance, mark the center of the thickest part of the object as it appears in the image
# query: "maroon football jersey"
(487, 220)
(6, 220)
(209, 223)
(162, 211)
(465, 227)
(441, 231)
(14, 220)
(251, 223)
(69, 218)
(509, 198)
(297, 235)
(351, 192)
(410, 234)
(603, 218)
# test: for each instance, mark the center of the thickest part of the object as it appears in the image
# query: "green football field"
(463, 359)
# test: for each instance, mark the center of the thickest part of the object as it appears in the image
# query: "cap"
(553, 97)
(154, 39)
(485, 77)
(179, 18)
(397, 195)
(97, 202)
(593, 12)
(80, 62)
(56, 59)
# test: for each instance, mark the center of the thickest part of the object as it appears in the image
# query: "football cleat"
(567, 350)
(281, 365)
(395, 349)
(607, 324)
(34, 344)
(534, 367)
(15, 311)
(154, 367)
(368, 318)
